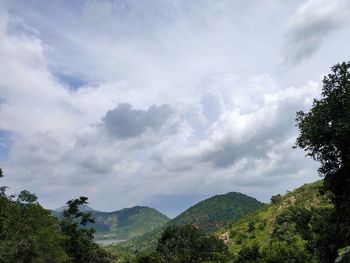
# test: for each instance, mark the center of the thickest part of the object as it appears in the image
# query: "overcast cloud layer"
(161, 103)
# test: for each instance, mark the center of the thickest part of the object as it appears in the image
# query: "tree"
(25, 197)
(28, 232)
(325, 135)
(187, 244)
(2, 188)
(276, 199)
(79, 243)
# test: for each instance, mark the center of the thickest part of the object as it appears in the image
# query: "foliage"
(325, 135)
(183, 244)
(283, 231)
(2, 188)
(249, 253)
(186, 244)
(28, 233)
(276, 199)
(344, 255)
(79, 243)
(291, 251)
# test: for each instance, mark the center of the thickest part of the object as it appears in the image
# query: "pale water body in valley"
(108, 241)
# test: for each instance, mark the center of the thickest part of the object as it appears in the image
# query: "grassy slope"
(209, 215)
(262, 221)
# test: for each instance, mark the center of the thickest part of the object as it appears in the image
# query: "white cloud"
(311, 23)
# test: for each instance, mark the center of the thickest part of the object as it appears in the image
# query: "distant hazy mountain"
(208, 215)
(123, 224)
(84, 208)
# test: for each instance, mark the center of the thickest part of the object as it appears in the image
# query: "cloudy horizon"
(161, 103)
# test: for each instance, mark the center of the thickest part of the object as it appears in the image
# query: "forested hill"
(208, 215)
(289, 227)
(217, 211)
(124, 224)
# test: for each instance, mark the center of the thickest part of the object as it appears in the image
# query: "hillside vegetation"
(208, 215)
(217, 211)
(286, 230)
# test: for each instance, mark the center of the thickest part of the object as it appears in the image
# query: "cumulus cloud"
(251, 131)
(312, 22)
(124, 122)
(239, 135)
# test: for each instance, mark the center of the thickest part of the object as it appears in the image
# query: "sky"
(161, 102)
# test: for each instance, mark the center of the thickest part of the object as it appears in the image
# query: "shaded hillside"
(208, 215)
(291, 220)
(126, 223)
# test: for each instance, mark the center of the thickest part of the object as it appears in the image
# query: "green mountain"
(218, 211)
(208, 215)
(123, 224)
(288, 225)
